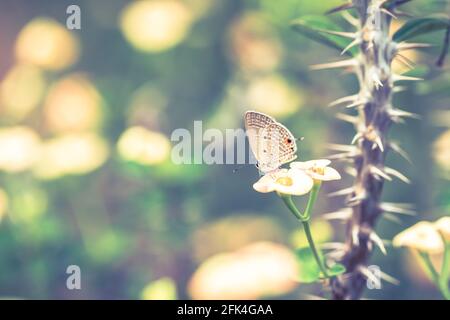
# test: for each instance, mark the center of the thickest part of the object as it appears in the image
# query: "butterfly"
(272, 143)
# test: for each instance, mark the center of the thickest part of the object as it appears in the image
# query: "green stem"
(313, 248)
(434, 274)
(287, 199)
(445, 271)
(312, 199)
(304, 218)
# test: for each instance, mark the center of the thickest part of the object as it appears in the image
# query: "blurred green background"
(86, 176)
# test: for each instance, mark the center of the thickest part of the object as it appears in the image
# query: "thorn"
(400, 208)
(397, 174)
(398, 77)
(335, 254)
(376, 80)
(351, 45)
(357, 136)
(403, 113)
(343, 100)
(350, 35)
(353, 201)
(333, 246)
(333, 65)
(343, 214)
(408, 63)
(384, 10)
(378, 143)
(368, 274)
(389, 278)
(403, 46)
(396, 148)
(350, 19)
(357, 103)
(342, 192)
(391, 217)
(351, 171)
(377, 240)
(347, 118)
(380, 173)
(397, 89)
(355, 237)
(341, 147)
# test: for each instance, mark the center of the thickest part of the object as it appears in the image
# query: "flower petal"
(443, 226)
(331, 174)
(318, 163)
(301, 183)
(422, 236)
(265, 184)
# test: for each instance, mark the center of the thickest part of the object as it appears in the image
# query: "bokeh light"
(322, 230)
(161, 289)
(143, 146)
(3, 203)
(234, 232)
(19, 148)
(73, 153)
(254, 48)
(441, 151)
(48, 44)
(72, 104)
(154, 26)
(274, 95)
(21, 91)
(258, 270)
(28, 205)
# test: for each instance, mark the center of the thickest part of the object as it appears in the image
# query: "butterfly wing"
(255, 123)
(279, 148)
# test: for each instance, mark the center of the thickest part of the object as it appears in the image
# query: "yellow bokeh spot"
(72, 104)
(253, 45)
(273, 95)
(234, 232)
(410, 57)
(3, 203)
(161, 289)
(143, 146)
(74, 153)
(255, 271)
(28, 205)
(441, 151)
(154, 26)
(46, 43)
(19, 148)
(21, 91)
(322, 230)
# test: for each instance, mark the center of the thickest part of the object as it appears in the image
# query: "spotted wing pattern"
(272, 143)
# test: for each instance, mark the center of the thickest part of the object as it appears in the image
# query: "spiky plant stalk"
(375, 115)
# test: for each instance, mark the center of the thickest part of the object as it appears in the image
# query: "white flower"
(443, 227)
(317, 169)
(293, 182)
(422, 236)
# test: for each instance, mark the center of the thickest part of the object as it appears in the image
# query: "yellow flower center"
(285, 181)
(318, 170)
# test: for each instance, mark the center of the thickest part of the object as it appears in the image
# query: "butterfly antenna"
(300, 139)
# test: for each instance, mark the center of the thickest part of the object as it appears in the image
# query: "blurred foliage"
(85, 170)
